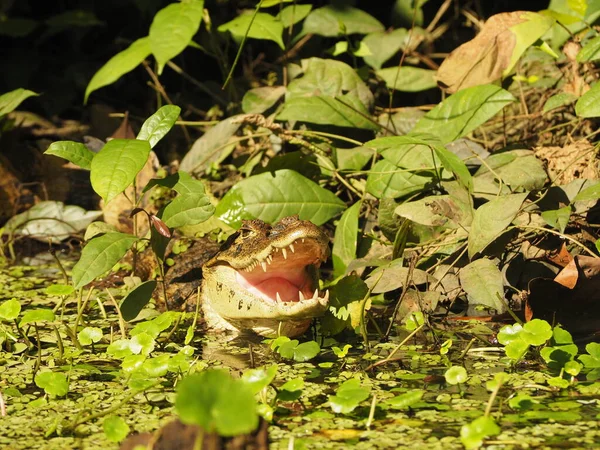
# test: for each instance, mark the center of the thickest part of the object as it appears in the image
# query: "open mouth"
(287, 274)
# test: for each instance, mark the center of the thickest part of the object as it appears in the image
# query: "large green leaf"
(11, 100)
(187, 209)
(337, 20)
(159, 124)
(74, 152)
(482, 281)
(100, 255)
(217, 402)
(325, 110)
(416, 157)
(464, 111)
(590, 51)
(258, 100)
(345, 241)
(407, 79)
(491, 219)
(136, 299)
(181, 182)
(386, 180)
(519, 169)
(119, 65)
(293, 14)
(438, 211)
(327, 77)
(116, 166)
(383, 45)
(272, 196)
(263, 26)
(173, 28)
(588, 104)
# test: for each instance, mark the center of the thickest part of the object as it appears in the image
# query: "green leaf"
(258, 379)
(456, 375)
(473, 434)
(291, 15)
(156, 367)
(348, 396)
(592, 359)
(52, 383)
(99, 256)
(121, 348)
(338, 20)
(386, 180)
(173, 28)
(521, 402)
(446, 211)
(588, 104)
(407, 79)
(526, 34)
(96, 228)
(258, 100)
(187, 209)
(491, 220)
(510, 333)
(291, 349)
(143, 343)
(558, 218)
(59, 289)
(119, 65)
(482, 281)
(406, 400)
(89, 335)
(264, 26)
(325, 110)
(159, 124)
(10, 309)
(345, 240)
(516, 349)
(519, 169)
(383, 45)
(536, 332)
(181, 182)
(11, 100)
(558, 100)
(330, 78)
(37, 315)
(136, 299)
(115, 428)
(216, 402)
(74, 152)
(273, 196)
(463, 112)
(115, 167)
(590, 51)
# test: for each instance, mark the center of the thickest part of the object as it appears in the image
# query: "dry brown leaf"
(487, 57)
(568, 163)
(483, 59)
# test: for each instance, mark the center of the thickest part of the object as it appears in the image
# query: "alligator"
(264, 278)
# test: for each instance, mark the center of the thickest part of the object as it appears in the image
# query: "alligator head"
(266, 278)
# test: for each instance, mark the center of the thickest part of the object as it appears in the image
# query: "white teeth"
(326, 296)
(316, 294)
(269, 259)
(278, 297)
(284, 251)
(301, 295)
(292, 248)
(263, 265)
(303, 240)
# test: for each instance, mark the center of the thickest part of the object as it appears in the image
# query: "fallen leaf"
(493, 53)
